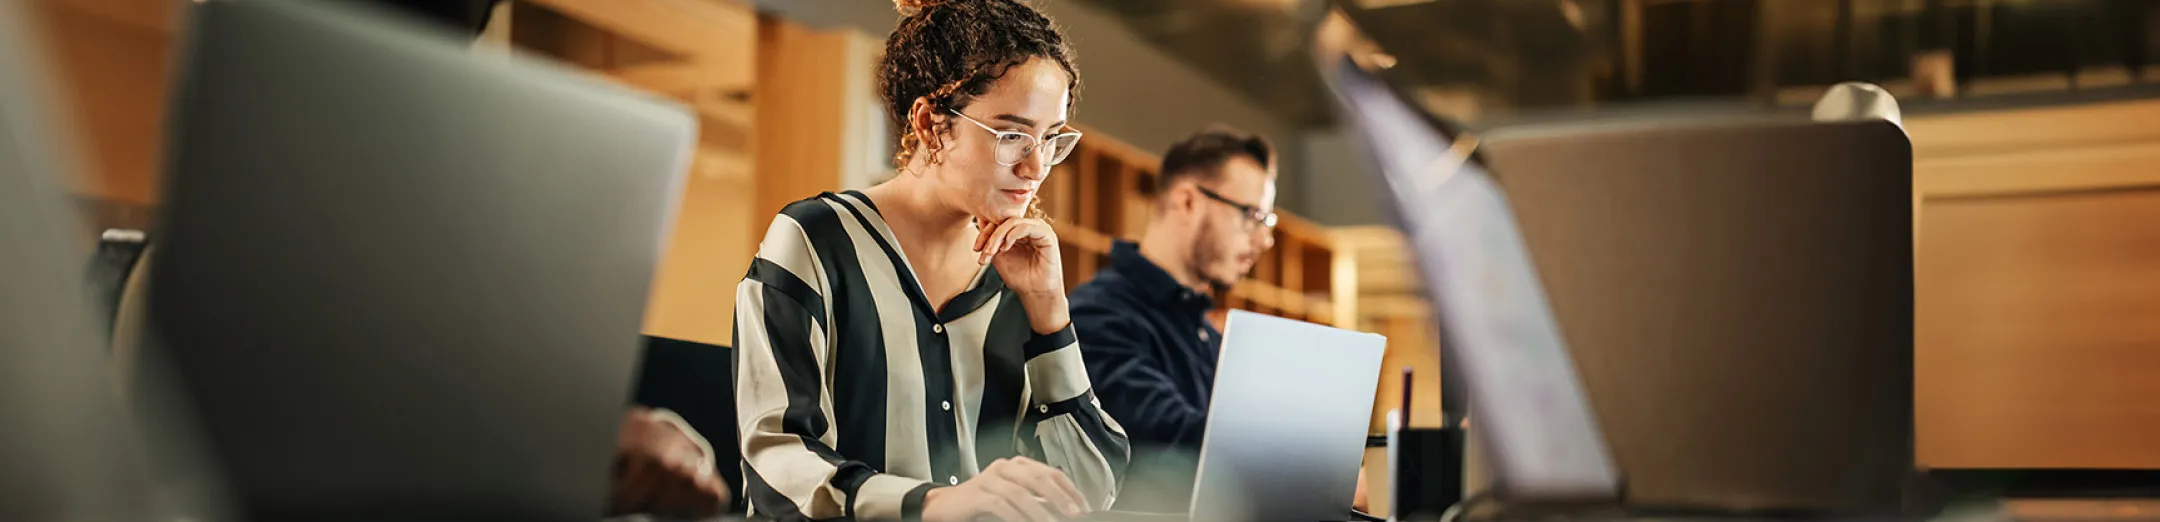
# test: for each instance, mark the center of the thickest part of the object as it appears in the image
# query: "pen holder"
(1427, 464)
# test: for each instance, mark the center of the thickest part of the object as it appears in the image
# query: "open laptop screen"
(1543, 443)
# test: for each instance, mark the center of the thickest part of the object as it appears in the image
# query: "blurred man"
(1142, 321)
(663, 467)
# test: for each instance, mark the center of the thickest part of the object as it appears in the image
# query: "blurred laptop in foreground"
(1770, 259)
(402, 280)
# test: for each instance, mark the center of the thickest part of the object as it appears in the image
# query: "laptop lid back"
(1544, 444)
(1286, 421)
(1739, 295)
(403, 279)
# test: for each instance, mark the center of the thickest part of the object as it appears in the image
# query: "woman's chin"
(1002, 213)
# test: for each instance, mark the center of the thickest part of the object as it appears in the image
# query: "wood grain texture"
(2038, 329)
(2037, 290)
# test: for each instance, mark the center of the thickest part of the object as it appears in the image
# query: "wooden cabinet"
(2037, 287)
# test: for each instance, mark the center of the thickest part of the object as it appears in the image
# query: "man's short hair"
(1201, 156)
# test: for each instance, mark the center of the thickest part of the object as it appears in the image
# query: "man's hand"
(1014, 489)
(664, 468)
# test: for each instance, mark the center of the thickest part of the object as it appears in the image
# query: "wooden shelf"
(1105, 191)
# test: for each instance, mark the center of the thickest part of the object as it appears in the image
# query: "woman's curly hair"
(949, 51)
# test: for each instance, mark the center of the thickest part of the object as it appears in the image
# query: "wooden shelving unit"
(1104, 191)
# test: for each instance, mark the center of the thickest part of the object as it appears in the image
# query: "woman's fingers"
(1011, 233)
(999, 509)
(983, 231)
(1037, 233)
(996, 243)
(1049, 483)
(1026, 503)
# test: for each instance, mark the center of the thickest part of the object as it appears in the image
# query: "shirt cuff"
(886, 496)
(911, 506)
(1045, 343)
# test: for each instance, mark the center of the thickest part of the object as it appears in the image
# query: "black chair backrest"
(696, 381)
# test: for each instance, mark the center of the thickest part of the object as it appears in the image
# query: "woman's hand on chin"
(1025, 252)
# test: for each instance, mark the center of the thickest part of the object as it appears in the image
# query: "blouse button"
(1045, 408)
(947, 405)
(937, 328)
(952, 480)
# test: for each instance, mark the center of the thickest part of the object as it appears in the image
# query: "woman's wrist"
(1048, 312)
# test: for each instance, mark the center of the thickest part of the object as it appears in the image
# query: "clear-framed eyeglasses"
(1015, 146)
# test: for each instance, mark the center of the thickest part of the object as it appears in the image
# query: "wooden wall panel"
(801, 108)
(2038, 324)
(111, 61)
(2037, 287)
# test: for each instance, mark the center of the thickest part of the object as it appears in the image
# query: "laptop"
(400, 279)
(1545, 443)
(1496, 324)
(1738, 297)
(69, 451)
(1286, 421)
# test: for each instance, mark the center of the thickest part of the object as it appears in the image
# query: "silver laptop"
(1286, 421)
(401, 280)
(69, 452)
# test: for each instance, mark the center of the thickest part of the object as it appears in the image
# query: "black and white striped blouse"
(855, 397)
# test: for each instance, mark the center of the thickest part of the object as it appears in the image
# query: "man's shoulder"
(1110, 305)
(1106, 293)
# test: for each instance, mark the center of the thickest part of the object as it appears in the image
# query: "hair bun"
(910, 7)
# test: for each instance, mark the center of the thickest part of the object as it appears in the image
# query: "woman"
(906, 350)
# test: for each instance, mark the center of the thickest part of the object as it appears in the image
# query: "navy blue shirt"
(1151, 355)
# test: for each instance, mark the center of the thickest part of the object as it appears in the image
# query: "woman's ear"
(922, 122)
